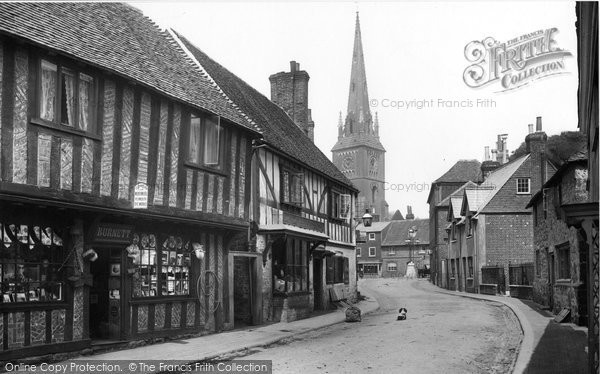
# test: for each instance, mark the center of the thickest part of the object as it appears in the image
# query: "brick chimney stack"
(488, 165)
(536, 147)
(289, 90)
(409, 213)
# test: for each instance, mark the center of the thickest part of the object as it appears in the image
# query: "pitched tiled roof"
(459, 190)
(498, 178)
(462, 171)
(455, 206)
(577, 159)
(278, 129)
(375, 227)
(397, 233)
(475, 196)
(117, 37)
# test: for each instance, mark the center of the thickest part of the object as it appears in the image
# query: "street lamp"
(412, 233)
(367, 220)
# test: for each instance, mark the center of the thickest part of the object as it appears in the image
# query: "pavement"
(547, 346)
(214, 346)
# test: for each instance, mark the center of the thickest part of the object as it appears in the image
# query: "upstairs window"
(358, 251)
(205, 141)
(292, 187)
(523, 185)
(371, 236)
(67, 96)
(371, 251)
(392, 252)
(341, 205)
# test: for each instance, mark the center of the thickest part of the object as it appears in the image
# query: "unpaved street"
(442, 334)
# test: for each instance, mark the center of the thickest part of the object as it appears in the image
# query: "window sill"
(290, 293)
(160, 299)
(64, 129)
(207, 169)
(523, 193)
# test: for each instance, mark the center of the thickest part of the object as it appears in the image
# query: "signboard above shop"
(112, 233)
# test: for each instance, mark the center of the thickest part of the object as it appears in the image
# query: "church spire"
(358, 119)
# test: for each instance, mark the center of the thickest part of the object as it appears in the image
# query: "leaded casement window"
(341, 204)
(523, 185)
(33, 265)
(161, 265)
(205, 138)
(66, 96)
(292, 187)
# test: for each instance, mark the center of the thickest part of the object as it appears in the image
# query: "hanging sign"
(140, 196)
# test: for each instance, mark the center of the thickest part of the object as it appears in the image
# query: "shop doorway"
(105, 295)
(318, 283)
(242, 291)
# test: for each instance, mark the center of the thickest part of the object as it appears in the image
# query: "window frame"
(337, 270)
(358, 252)
(200, 160)
(57, 122)
(295, 273)
(295, 183)
(392, 251)
(395, 267)
(372, 236)
(49, 276)
(374, 251)
(519, 185)
(155, 267)
(337, 198)
(563, 263)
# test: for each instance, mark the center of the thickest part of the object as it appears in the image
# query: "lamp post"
(367, 220)
(412, 234)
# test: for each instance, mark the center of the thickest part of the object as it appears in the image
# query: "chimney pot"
(486, 153)
(538, 124)
(293, 66)
(530, 128)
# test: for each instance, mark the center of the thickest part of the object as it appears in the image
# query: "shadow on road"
(560, 350)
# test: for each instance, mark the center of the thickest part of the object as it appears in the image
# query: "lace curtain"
(68, 108)
(85, 87)
(211, 142)
(194, 150)
(48, 97)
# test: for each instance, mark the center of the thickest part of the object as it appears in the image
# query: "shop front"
(73, 279)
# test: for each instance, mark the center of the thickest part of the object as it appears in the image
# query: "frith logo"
(516, 62)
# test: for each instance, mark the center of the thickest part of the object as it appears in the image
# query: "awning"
(292, 230)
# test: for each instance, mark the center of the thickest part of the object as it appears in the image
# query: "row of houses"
(147, 192)
(528, 228)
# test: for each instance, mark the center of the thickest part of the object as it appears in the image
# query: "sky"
(415, 59)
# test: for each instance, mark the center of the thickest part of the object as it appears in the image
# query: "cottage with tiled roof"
(460, 173)
(405, 242)
(125, 179)
(303, 208)
(490, 230)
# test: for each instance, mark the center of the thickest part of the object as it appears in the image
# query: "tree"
(558, 148)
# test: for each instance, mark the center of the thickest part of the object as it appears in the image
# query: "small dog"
(402, 314)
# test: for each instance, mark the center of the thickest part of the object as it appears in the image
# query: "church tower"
(358, 152)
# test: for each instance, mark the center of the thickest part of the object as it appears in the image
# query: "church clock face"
(348, 163)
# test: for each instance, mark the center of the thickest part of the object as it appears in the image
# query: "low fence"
(520, 280)
(493, 280)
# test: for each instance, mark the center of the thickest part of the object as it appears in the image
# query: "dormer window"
(523, 186)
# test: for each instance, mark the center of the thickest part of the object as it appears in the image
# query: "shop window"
(564, 261)
(66, 96)
(205, 141)
(337, 270)
(292, 187)
(290, 266)
(32, 264)
(392, 266)
(162, 265)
